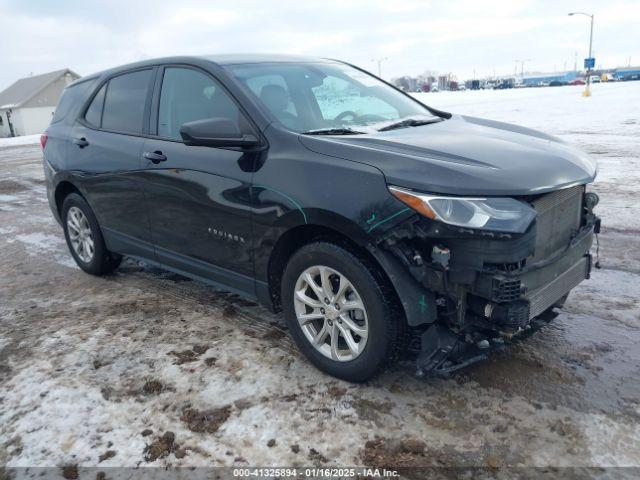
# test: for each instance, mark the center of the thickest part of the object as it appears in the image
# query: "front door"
(198, 197)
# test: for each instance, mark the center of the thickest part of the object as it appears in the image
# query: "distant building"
(629, 73)
(546, 78)
(26, 107)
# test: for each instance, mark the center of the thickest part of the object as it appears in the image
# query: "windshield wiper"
(333, 131)
(410, 122)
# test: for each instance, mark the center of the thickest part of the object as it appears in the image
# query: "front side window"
(124, 102)
(310, 97)
(188, 95)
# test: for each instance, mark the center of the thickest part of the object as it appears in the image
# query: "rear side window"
(71, 97)
(124, 102)
(94, 112)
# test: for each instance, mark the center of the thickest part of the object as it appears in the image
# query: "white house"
(26, 106)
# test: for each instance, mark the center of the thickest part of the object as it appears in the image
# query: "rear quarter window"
(71, 99)
(94, 112)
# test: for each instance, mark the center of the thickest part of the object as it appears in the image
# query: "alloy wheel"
(80, 234)
(331, 313)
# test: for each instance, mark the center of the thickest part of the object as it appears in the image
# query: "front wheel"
(84, 237)
(341, 316)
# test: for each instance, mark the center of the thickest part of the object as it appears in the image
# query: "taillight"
(43, 140)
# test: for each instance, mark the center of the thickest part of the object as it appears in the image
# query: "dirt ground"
(148, 368)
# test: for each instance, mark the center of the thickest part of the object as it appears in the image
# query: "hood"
(465, 156)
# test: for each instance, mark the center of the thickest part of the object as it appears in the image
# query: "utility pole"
(587, 88)
(379, 62)
(522, 62)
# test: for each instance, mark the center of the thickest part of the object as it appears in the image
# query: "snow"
(16, 141)
(38, 243)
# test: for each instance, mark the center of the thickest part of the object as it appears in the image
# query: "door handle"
(156, 157)
(81, 142)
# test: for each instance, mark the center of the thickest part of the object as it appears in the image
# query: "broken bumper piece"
(445, 351)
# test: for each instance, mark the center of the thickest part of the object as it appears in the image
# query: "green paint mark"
(296, 204)
(387, 219)
(422, 303)
(371, 219)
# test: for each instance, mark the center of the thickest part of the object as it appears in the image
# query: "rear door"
(106, 145)
(198, 197)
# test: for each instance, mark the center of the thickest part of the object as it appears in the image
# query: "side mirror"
(216, 132)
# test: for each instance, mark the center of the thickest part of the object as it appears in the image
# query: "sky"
(465, 37)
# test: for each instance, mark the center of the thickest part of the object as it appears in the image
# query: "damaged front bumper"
(466, 295)
(503, 308)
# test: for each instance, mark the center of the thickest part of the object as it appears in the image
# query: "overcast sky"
(416, 35)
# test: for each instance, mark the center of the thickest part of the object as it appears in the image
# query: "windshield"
(328, 97)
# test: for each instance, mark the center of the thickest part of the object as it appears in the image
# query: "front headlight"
(491, 213)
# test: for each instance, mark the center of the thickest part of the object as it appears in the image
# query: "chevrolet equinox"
(380, 226)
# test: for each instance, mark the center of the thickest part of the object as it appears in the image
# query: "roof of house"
(26, 88)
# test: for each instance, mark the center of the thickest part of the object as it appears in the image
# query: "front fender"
(418, 303)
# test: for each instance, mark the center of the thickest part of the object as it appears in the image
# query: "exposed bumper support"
(445, 352)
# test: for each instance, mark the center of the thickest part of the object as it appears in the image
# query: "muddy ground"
(148, 368)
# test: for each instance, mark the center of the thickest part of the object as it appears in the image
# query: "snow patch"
(611, 443)
(50, 244)
(24, 140)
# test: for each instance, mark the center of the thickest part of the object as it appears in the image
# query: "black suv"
(379, 225)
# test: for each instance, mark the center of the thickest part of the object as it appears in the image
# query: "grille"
(546, 296)
(506, 290)
(558, 219)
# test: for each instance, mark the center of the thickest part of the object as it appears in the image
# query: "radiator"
(546, 296)
(558, 219)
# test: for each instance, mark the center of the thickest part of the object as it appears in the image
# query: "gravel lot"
(97, 371)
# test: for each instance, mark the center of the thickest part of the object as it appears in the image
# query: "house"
(26, 106)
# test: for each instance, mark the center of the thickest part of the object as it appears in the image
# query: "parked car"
(557, 83)
(577, 81)
(504, 84)
(328, 194)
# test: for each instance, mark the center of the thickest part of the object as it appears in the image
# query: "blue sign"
(589, 62)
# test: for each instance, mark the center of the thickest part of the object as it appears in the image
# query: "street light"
(522, 62)
(379, 62)
(587, 88)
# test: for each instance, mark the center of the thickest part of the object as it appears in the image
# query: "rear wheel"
(84, 237)
(340, 315)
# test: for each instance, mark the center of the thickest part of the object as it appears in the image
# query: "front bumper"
(515, 298)
(501, 308)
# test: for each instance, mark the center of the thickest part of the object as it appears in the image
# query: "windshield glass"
(313, 97)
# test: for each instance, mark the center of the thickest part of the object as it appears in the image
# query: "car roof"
(221, 60)
(234, 59)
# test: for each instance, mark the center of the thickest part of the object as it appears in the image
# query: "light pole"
(379, 62)
(522, 62)
(587, 88)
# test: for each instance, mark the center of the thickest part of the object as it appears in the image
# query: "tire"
(100, 261)
(378, 318)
